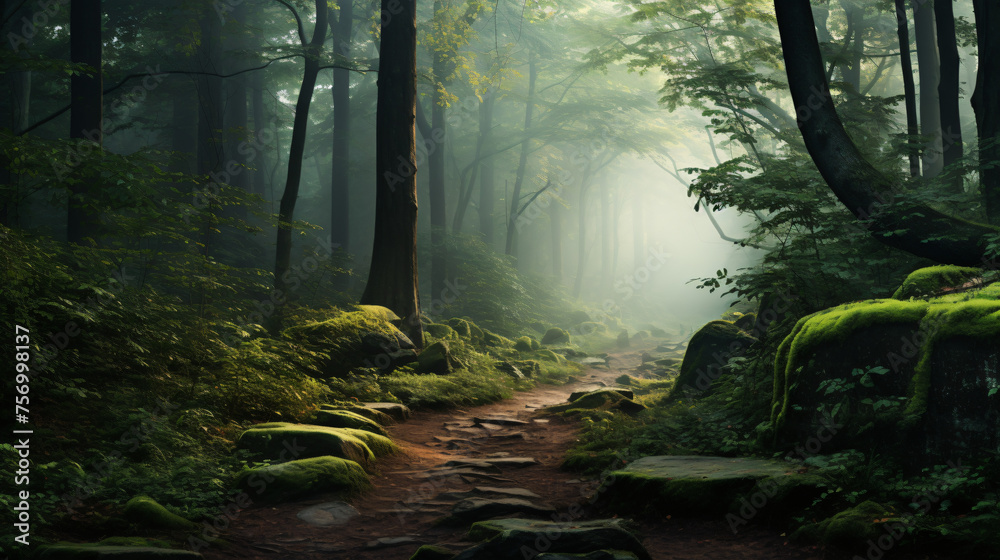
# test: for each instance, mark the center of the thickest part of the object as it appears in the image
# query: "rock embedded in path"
(627, 393)
(500, 421)
(380, 417)
(328, 514)
(430, 552)
(480, 491)
(698, 484)
(99, 552)
(386, 542)
(346, 419)
(482, 508)
(605, 399)
(594, 362)
(493, 462)
(508, 538)
(398, 412)
(280, 441)
(596, 555)
(463, 473)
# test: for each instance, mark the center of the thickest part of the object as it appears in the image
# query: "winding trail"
(405, 501)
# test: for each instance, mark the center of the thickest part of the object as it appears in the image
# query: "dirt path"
(404, 501)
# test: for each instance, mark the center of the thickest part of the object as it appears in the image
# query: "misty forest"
(491, 280)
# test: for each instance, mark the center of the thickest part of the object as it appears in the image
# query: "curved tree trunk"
(909, 89)
(986, 103)
(283, 276)
(914, 228)
(392, 278)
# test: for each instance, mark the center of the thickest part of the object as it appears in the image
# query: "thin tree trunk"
(986, 103)
(605, 198)
(435, 168)
(235, 107)
(487, 175)
(522, 163)
(930, 107)
(286, 210)
(87, 112)
(917, 229)
(951, 121)
(909, 90)
(638, 230)
(340, 213)
(259, 178)
(856, 48)
(581, 243)
(555, 221)
(210, 141)
(392, 278)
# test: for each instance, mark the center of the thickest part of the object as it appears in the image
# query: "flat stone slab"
(489, 463)
(486, 466)
(510, 435)
(464, 473)
(500, 421)
(386, 542)
(328, 514)
(504, 538)
(700, 484)
(91, 551)
(479, 509)
(480, 491)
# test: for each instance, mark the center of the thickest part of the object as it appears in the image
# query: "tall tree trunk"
(605, 199)
(435, 169)
(616, 210)
(581, 242)
(184, 131)
(930, 107)
(260, 180)
(909, 89)
(522, 163)
(17, 92)
(283, 279)
(914, 228)
(210, 115)
(87, 111)
(638, 231)
(236, 116)
(392, 278)
(856, 48)
(986, 103)
(951, 121)
(555, 224)
(487, 175)
(340, 214)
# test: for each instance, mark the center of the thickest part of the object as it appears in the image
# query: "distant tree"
(340, 211)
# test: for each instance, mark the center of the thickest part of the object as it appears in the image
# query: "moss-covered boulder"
(555, 335)
(439, 331)
(856, 528)
(346, 419)
(437, 358)
(934, 280)
(591, 327)
(372, 414)
(64, 551)
(530, 368)
(353, 340)
(549, 356)
(280, 441)
(526, 344)
(605, 399)
(509, 538)
(303, 477)
(399, 412)
(623, 339)
(708, 351)
(382, 313)
(432, 552)
(510, 369)
(145, 511)
(494, 340)
(627, 393)
(688, 484)
(916, 377)
(467, 329)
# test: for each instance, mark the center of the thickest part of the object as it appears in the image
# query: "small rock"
(479, 509)
(328, 514)
(501, 420)
(386, 542)
(399, 412)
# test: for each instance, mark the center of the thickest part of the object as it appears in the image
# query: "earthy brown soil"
(404, 504)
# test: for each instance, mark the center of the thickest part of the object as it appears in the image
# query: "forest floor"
(404, 503)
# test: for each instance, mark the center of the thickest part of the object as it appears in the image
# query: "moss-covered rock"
(530, 368)
(64, 551)
(431, 552)
(708, 351)
(526, 344)
(591, 327)
(605, 399)
(917, 376)
(496, 341)
(437, 358)
(280, 441)
(353, 340)
(508, 538)
(623, 339)
(549, 356)
(555, 335)
(303, 477)
(372, 414)
(346, 419)
(689, 484)
(439, 331)
(933, 280)
(145, 511)
(383, 313)
(467, 329)
(853, 529)
(398, 411)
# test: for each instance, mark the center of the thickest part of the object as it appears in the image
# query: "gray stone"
(398, 412)
(479, 509)
(386, 542)
(500, 420)
(506, 537)
(328, 514)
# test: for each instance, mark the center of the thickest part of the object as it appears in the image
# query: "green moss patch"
(280, 441)
(505, 538)
(934, 279)
(555, 335)
(303, 477)
(372, 414)
(145, 511)
(605, 399)
(346, 419)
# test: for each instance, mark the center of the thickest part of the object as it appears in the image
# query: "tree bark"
(210, 116)
(909, 89)
(340, 214)
(605, 198)
(87, 111)
(638, 230)
(917, 229)
(581, 242)
(392, 278)
(435, 169)
(948, 90)
(259, 178)
(286, 210)
(555, 224)
(236, 117)
(930, 106)
(986, 103)
(487, 175)
(522, 163)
